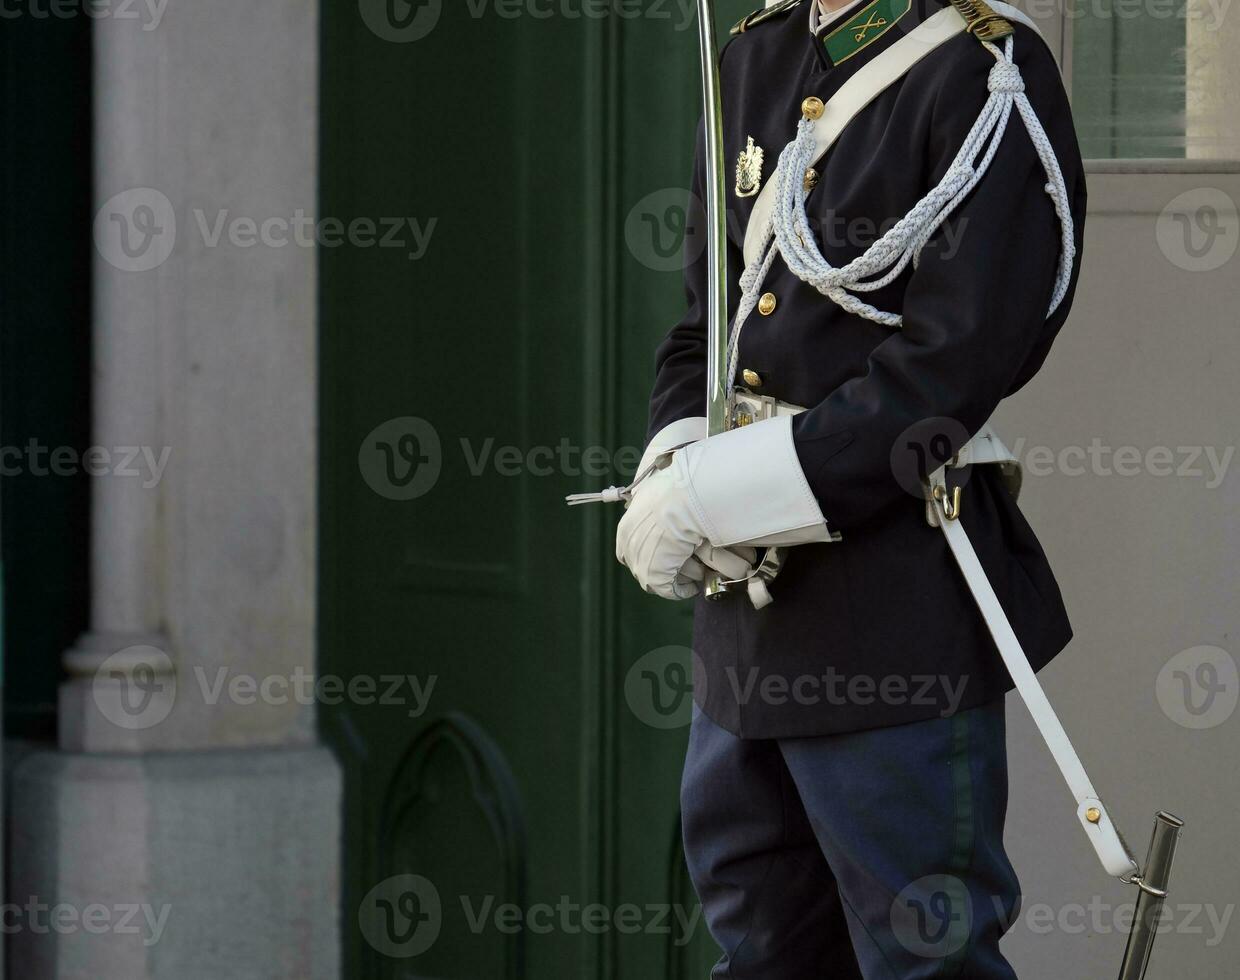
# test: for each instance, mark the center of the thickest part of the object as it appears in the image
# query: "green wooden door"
(502, 203)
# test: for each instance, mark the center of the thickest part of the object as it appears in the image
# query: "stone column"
(1212, 81)
(188, 781)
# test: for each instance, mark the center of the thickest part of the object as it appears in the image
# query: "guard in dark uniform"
(845, 787)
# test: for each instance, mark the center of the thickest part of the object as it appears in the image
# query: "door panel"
(460, 392)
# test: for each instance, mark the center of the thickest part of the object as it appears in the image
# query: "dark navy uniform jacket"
(879, 629)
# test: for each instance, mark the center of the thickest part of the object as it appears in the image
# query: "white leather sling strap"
(1092, 813)
(986, 448)
(871, 79)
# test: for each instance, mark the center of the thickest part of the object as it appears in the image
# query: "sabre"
(715, 183)
(755, 585)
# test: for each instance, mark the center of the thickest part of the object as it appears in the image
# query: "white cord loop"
(1005, 77)
(788, 233)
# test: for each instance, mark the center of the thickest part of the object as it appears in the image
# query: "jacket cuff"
(749, 489)
(671, 437)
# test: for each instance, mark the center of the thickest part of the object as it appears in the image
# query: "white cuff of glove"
(668, 439)
(748, 488)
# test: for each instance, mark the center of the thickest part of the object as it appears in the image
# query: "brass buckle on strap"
(951, 504)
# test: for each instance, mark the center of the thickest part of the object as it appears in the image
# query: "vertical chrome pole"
(1153, 883)
(715, 184)
(716, 223)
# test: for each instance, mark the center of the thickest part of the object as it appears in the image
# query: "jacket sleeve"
(975, 326)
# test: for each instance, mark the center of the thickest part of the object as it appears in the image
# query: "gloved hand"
(662, 543)
(735, 564)
(738, 490)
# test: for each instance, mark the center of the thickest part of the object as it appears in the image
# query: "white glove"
(661, 543)
(742, 488)
(669, 439)
(735, 564)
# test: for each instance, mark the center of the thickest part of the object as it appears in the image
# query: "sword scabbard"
(1152, 882)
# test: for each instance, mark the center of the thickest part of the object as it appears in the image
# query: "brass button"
(766, 305)
(752, 378)
(812, 108)
(811, 179)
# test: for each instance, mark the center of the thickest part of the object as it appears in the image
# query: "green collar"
(864, 27)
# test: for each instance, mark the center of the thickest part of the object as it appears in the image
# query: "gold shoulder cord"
(981, 20)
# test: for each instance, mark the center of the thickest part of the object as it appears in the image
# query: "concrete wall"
(1147, 563)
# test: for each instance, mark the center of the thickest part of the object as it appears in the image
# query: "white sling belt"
(861, 89)
(1090, 810)
(987, 449)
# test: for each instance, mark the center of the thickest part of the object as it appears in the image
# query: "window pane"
(1155, 78)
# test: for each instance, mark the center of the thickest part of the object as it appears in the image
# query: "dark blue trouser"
(875, 854)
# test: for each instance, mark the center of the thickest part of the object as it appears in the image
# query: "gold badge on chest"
(749, 170)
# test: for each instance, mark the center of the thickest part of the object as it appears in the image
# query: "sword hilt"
(756, 586)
